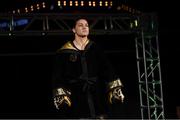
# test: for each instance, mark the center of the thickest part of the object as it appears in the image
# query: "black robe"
(85, 73)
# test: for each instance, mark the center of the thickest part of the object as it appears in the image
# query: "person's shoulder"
(67, 46)
(93, 43)
(97, 45)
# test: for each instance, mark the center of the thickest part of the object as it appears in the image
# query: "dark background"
(26, 66)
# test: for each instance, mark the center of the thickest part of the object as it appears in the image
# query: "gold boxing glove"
(115, 92)
(61, 98)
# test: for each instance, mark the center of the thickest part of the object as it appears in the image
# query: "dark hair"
(77, 19)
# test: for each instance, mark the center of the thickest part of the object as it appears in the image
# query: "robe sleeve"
(107, 72)
(58, 83)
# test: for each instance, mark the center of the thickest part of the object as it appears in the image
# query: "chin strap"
(61, 98)
(114, 91)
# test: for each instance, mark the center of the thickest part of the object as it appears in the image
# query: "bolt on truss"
(149, 75)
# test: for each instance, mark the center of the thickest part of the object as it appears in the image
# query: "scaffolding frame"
(144, 26)
(40, 24)
(149, 70)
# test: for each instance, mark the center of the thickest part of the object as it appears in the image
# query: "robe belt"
(88, 83)
(88, 86)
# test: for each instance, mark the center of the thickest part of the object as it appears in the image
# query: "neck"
(80, 43)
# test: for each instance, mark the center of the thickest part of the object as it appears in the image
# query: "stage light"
(76, 3)
(94, 3)
(106, 3)
(59, 3)
(64, 3)
(26, 9)
(18, 11)
(70, 3)
(82, 3)
(100, 3)
(90, 4)
(32, 8)
(43, 5)
(136, 23)
(111, 3)
(37, 5)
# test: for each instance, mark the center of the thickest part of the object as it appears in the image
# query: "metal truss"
(147, 48)
(61, 24)
(149, 72)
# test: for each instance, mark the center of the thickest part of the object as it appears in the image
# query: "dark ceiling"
(167, 11)
(142, 5)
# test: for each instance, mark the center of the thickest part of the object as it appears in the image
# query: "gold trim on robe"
(67, 45)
